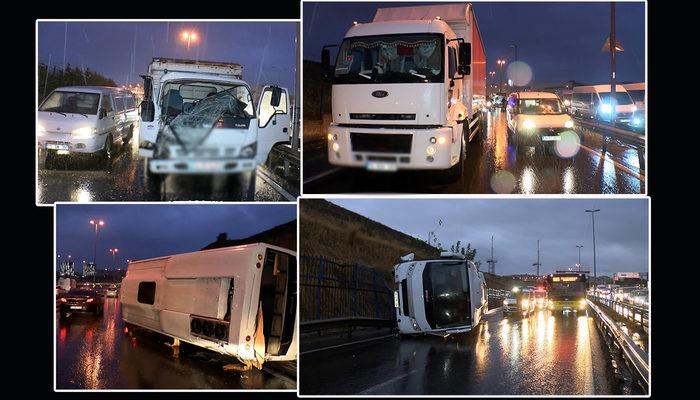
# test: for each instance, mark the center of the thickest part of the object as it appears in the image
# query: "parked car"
(81, 301)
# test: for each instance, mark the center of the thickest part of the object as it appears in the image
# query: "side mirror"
(325, 63)
(148, 111)
(276, 96)
(101, 114)
(464, 70)
(465, 54)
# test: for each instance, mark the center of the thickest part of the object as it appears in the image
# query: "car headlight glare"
(336, 147)
(606, 108)
(528, 124)
(249, 150)
(84, 132)
(569, 124)
(634, 108)
(430, 150)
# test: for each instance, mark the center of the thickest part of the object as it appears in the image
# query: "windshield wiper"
(364, 76)
(415, 73)
(62, 113)
(84, 115)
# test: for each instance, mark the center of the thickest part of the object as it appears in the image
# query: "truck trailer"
(408, 90)
(238, 301)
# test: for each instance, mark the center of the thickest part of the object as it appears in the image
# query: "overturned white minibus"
(239, 301)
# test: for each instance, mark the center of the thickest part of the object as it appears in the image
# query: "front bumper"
(195, 166)
(391, 149)
(537, 136)
(65, 143)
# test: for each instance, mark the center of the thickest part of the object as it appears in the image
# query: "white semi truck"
(408, 90)
(199, 117)
(443, 296)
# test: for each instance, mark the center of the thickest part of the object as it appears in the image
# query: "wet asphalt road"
(95, 353)
(82, 180)
(537, 355)
(494, 166)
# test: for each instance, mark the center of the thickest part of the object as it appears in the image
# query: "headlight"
(526, 303)
(528, 124)
(488, 104)
(582, 303)
(636, 121)
(567, 103)
(85, 132)
(569, 124)
(336, 147)
(249, 151)
(430, 150)
(606, 108)
(634, 108)
(505, 302)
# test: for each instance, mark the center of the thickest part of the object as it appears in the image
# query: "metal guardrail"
(607, 129)
(632, 310)
(635, 358)
(286, 152)
(347, 323)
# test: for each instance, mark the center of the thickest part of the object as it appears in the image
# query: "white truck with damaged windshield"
(441, 296)
(199, 117)
(408, 90)
(238, 301)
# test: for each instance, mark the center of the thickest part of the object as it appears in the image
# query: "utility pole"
(538, 264)
(579, 256)
(613, 44)
(595, 276)
(492, 261)
(517, 66)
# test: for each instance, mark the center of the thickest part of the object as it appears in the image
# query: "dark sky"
(107, 47)
(560, 224)
(145, 230)
(559, 41)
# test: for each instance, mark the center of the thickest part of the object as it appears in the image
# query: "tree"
(467, 251)
(53, 78)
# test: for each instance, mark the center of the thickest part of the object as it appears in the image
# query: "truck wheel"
(154, 184)
(50, 162)
(107, 154)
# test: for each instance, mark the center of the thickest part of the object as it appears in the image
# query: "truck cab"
(408, 90)
(442, 296)
(200, 118)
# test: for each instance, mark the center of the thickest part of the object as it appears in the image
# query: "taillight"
(90, 300)
(63, 300)
(247, 338)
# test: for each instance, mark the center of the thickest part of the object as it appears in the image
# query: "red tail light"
(90, 300)
(247, 338)
(63, 300)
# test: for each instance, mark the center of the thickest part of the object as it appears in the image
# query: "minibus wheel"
(107, 154)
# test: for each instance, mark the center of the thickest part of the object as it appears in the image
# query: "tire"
(50, 162)
(456, 171)
(107, 154)
(154, 184)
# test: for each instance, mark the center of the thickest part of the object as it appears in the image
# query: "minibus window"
(107, 103)
(146, 293)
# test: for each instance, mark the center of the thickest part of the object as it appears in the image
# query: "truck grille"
(383, 117)
(381, 143)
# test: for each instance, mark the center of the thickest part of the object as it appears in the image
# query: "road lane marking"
(275, 185)
(345, 344)
(615, 163)
(322, 175)
(390, 381)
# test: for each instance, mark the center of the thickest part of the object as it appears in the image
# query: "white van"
(594, 102)
(536, 118)
(75, 120)
(239, 301)
(443, 296)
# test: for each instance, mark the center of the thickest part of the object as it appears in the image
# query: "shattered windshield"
(193, 126)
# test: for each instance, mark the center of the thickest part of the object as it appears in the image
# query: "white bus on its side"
(239, 301)
(442, 296)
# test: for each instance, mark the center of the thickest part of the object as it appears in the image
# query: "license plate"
(381, 166)
(207, 165)
(56, 146)
(551, 138)
(76, 307)
(396, 299)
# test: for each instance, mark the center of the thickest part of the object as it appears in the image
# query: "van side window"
(452, 59)
(130, 102)
(119, 103)
(107, 103)
(147, 293)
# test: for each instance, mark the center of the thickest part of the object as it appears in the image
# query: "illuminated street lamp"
(114, 253)
(501, 63)
(98, 224)
(189, 37)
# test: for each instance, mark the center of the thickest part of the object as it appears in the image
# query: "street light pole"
(595, 275)
(517, 67)
(114, 254)
(613, 44)
(579, 256)
(97, 223)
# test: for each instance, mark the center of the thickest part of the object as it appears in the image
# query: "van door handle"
(284, 130)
